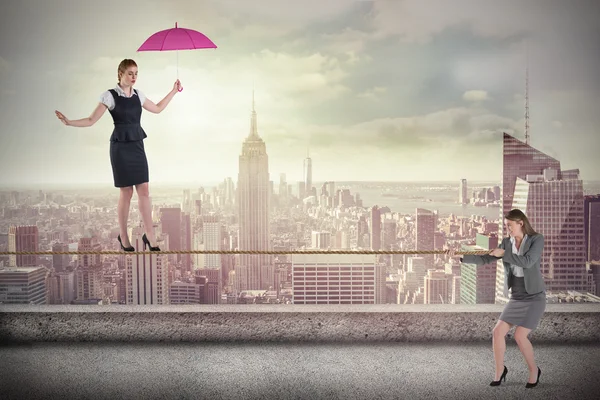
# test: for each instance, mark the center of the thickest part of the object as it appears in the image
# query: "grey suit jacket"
(529, 261)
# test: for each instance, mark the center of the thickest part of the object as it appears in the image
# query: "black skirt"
(129, 163)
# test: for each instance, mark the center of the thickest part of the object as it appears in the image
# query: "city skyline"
(374, 95)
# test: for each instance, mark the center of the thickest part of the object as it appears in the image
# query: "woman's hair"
(126, 63)
(518, 215)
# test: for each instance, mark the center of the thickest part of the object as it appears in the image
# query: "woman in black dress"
(127, 155)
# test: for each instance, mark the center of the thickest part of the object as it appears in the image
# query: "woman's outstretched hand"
(62, 117)
(497, 253)
(177, 86)
(451, 253)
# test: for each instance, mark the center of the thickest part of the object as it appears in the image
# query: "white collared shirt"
(516, 270)
(108, 100)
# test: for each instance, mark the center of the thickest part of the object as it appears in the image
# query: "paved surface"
(290, 371)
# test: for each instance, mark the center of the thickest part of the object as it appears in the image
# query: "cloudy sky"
(379, 90)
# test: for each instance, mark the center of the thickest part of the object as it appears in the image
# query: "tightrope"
(263, 252)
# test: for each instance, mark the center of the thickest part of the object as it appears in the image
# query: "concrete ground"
(290, 371)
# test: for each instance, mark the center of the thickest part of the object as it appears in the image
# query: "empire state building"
(254, 271)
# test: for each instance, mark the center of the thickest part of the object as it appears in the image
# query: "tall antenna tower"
(527, 97)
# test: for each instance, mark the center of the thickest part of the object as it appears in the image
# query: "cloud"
(347, 40)
(307, 11)
(4, 65)
(438, 130)
(373, 93)
(314, 77)
(414, 21)
(297, 75)
(231, 22)
(494, 71)
(475, 95)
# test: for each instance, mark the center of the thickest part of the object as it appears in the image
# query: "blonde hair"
(126, 63)
(518, 215)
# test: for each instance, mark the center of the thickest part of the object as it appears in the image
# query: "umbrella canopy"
(177, 39)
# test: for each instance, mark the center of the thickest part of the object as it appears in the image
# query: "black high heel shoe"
(130, 248)
(530, 385)
(147, 243)
(497, 383)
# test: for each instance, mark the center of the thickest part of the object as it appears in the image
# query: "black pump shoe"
(530, 385)
(147, 243)
(497, 383)
(130, 248)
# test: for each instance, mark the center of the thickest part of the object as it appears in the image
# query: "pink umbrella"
(177, 39)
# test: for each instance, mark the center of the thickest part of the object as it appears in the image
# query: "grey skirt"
(523, 309)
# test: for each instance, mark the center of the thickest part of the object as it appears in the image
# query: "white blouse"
(516, 270)
(108, 100)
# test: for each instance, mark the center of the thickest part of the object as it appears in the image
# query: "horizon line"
(107, 185)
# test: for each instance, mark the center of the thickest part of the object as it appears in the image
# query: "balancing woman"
(127, 154)
(520, 253)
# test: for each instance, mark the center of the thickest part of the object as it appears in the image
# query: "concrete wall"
(574, 323)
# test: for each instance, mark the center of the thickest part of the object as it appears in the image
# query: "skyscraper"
(307, 175)
(591, 214)
(519, 160)
(552, 199)
(436, 286)
(60, 262)
(345, 279)
(88, 275)
(477, 284)
(170, 220)
(253, 204)
(463, 197)
(425, 225)
(211, 231)
(282, 189)
(23, 285)
(186, 240)
(229, 192)
(146, 274)
(375, 228)
(301, 190)
(23, 238)
(186, 204)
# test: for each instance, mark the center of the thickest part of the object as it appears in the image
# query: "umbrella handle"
(181, 88)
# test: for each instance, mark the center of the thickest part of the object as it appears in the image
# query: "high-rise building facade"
(211, 232)
(253, 206)
(170, 225)
(425, 225)
(20, 239)
(555, 209)
(375, 228)
(478, 283)
(147, 275)
(463, 196)
(345, 279)
(591, 216)
(552, 199)
(23, 285)
(308, 175)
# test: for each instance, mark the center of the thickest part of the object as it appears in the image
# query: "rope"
(120, 252)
